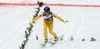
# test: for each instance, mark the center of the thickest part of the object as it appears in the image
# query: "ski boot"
(56, 39)
(45, 41)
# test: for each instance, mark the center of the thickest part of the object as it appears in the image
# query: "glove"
(65, 21)
(31, 23)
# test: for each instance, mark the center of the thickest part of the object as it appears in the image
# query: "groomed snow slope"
(83, 23)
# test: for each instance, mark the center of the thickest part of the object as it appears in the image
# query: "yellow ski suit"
(48, 22)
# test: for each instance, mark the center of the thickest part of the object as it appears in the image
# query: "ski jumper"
(48, 23)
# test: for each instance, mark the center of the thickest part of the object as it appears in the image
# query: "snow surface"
(82, 2)
(11, 1)
(84, 22)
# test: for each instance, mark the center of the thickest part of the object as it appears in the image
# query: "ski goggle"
(46, 10)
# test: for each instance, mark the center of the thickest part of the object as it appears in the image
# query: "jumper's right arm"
(36, 18)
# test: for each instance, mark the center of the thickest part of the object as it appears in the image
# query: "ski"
(52, 42)
(60, 38)
(43, 44)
